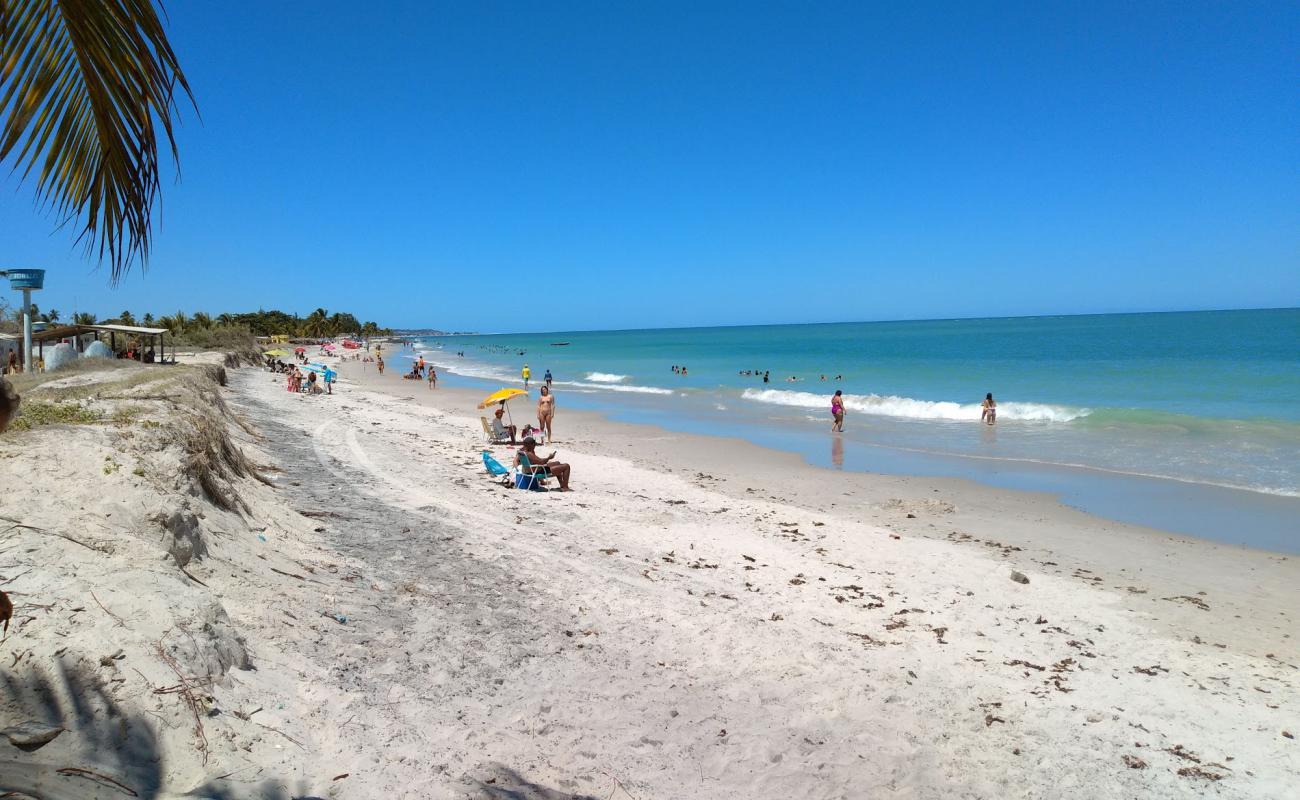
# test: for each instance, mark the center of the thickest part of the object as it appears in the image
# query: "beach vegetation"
(87, 91)
(214, 331)
(38, 413)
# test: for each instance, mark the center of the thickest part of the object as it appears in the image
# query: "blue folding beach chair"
(525, 478)
(496, 470)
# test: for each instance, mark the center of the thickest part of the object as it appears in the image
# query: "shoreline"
(1202, 508)
(1037, 524)
(353, 608)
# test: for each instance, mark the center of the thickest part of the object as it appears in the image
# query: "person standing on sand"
(837, 411)
(433, 377)
(546, 413)
(379, 364)
(989, 409)
(527, 374)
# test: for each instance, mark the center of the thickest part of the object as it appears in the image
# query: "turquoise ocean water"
(1207, 400)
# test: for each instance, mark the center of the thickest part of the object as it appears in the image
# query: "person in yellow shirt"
(528, 374)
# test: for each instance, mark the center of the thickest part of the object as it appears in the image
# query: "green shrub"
(35, 413)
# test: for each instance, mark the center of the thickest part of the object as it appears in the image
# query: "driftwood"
(73, 539)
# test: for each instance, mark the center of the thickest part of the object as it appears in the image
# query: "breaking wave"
(909, 408)
(605, 377)
(609, 387)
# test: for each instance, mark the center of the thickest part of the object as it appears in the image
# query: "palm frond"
(84, 87)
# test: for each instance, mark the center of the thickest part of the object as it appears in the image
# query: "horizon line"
(397, 330)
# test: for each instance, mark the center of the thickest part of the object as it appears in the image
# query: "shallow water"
(1091, 408)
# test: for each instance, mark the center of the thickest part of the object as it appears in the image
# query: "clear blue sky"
(531, 166)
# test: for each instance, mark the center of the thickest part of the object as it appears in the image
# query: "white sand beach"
(699, 618)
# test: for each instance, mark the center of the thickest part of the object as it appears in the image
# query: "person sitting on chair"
(538, 463)
(502, 430)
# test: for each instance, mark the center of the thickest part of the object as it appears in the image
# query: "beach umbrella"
(276, 353)
(503, 396)
(329, 347)
(299, 349)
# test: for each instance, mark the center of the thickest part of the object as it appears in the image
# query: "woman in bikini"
(546, 412)
(989, 409)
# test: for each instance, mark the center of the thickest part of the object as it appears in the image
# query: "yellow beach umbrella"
(276, 353)
(501, 396)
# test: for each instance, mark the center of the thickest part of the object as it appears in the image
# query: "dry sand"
(700, 618)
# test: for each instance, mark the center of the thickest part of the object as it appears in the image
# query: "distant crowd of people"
(304, 380)
(421, 371)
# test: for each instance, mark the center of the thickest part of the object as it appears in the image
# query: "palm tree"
(201, 320)
(147, 320)
(84, 89)
(226, 320)
(83, 318)
(126, 318)
(316, 325)
(52, 315)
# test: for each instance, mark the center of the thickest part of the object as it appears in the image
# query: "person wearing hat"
(537, 463)
(527, 373)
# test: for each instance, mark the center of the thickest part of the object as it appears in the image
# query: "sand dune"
(697, 620)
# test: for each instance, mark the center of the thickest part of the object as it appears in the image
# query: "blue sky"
(529, 166)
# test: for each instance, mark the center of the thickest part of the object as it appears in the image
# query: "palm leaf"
(84, 87)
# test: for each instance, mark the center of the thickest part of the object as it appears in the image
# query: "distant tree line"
(319, 324)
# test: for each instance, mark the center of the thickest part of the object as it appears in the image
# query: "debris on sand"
(1019, 577)
(31, 734)
(1186, 598)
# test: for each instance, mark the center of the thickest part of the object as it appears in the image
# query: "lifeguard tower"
(26, 281)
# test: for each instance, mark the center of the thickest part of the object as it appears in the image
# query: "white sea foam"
(609, 387)
(471, 369)
(605, 377)
(909, 408)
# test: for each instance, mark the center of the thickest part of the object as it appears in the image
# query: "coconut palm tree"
(126, 318)
(52, 315)
(226, 320)
(201, 320)
(85, 87)
(83, 318)
(147, 320)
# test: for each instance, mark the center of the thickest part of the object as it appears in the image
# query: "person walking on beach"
(546, 413)
(547, 378)
(526, 373)
(433, 377)
(989, 410)
(837, 411)
(379, 364)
